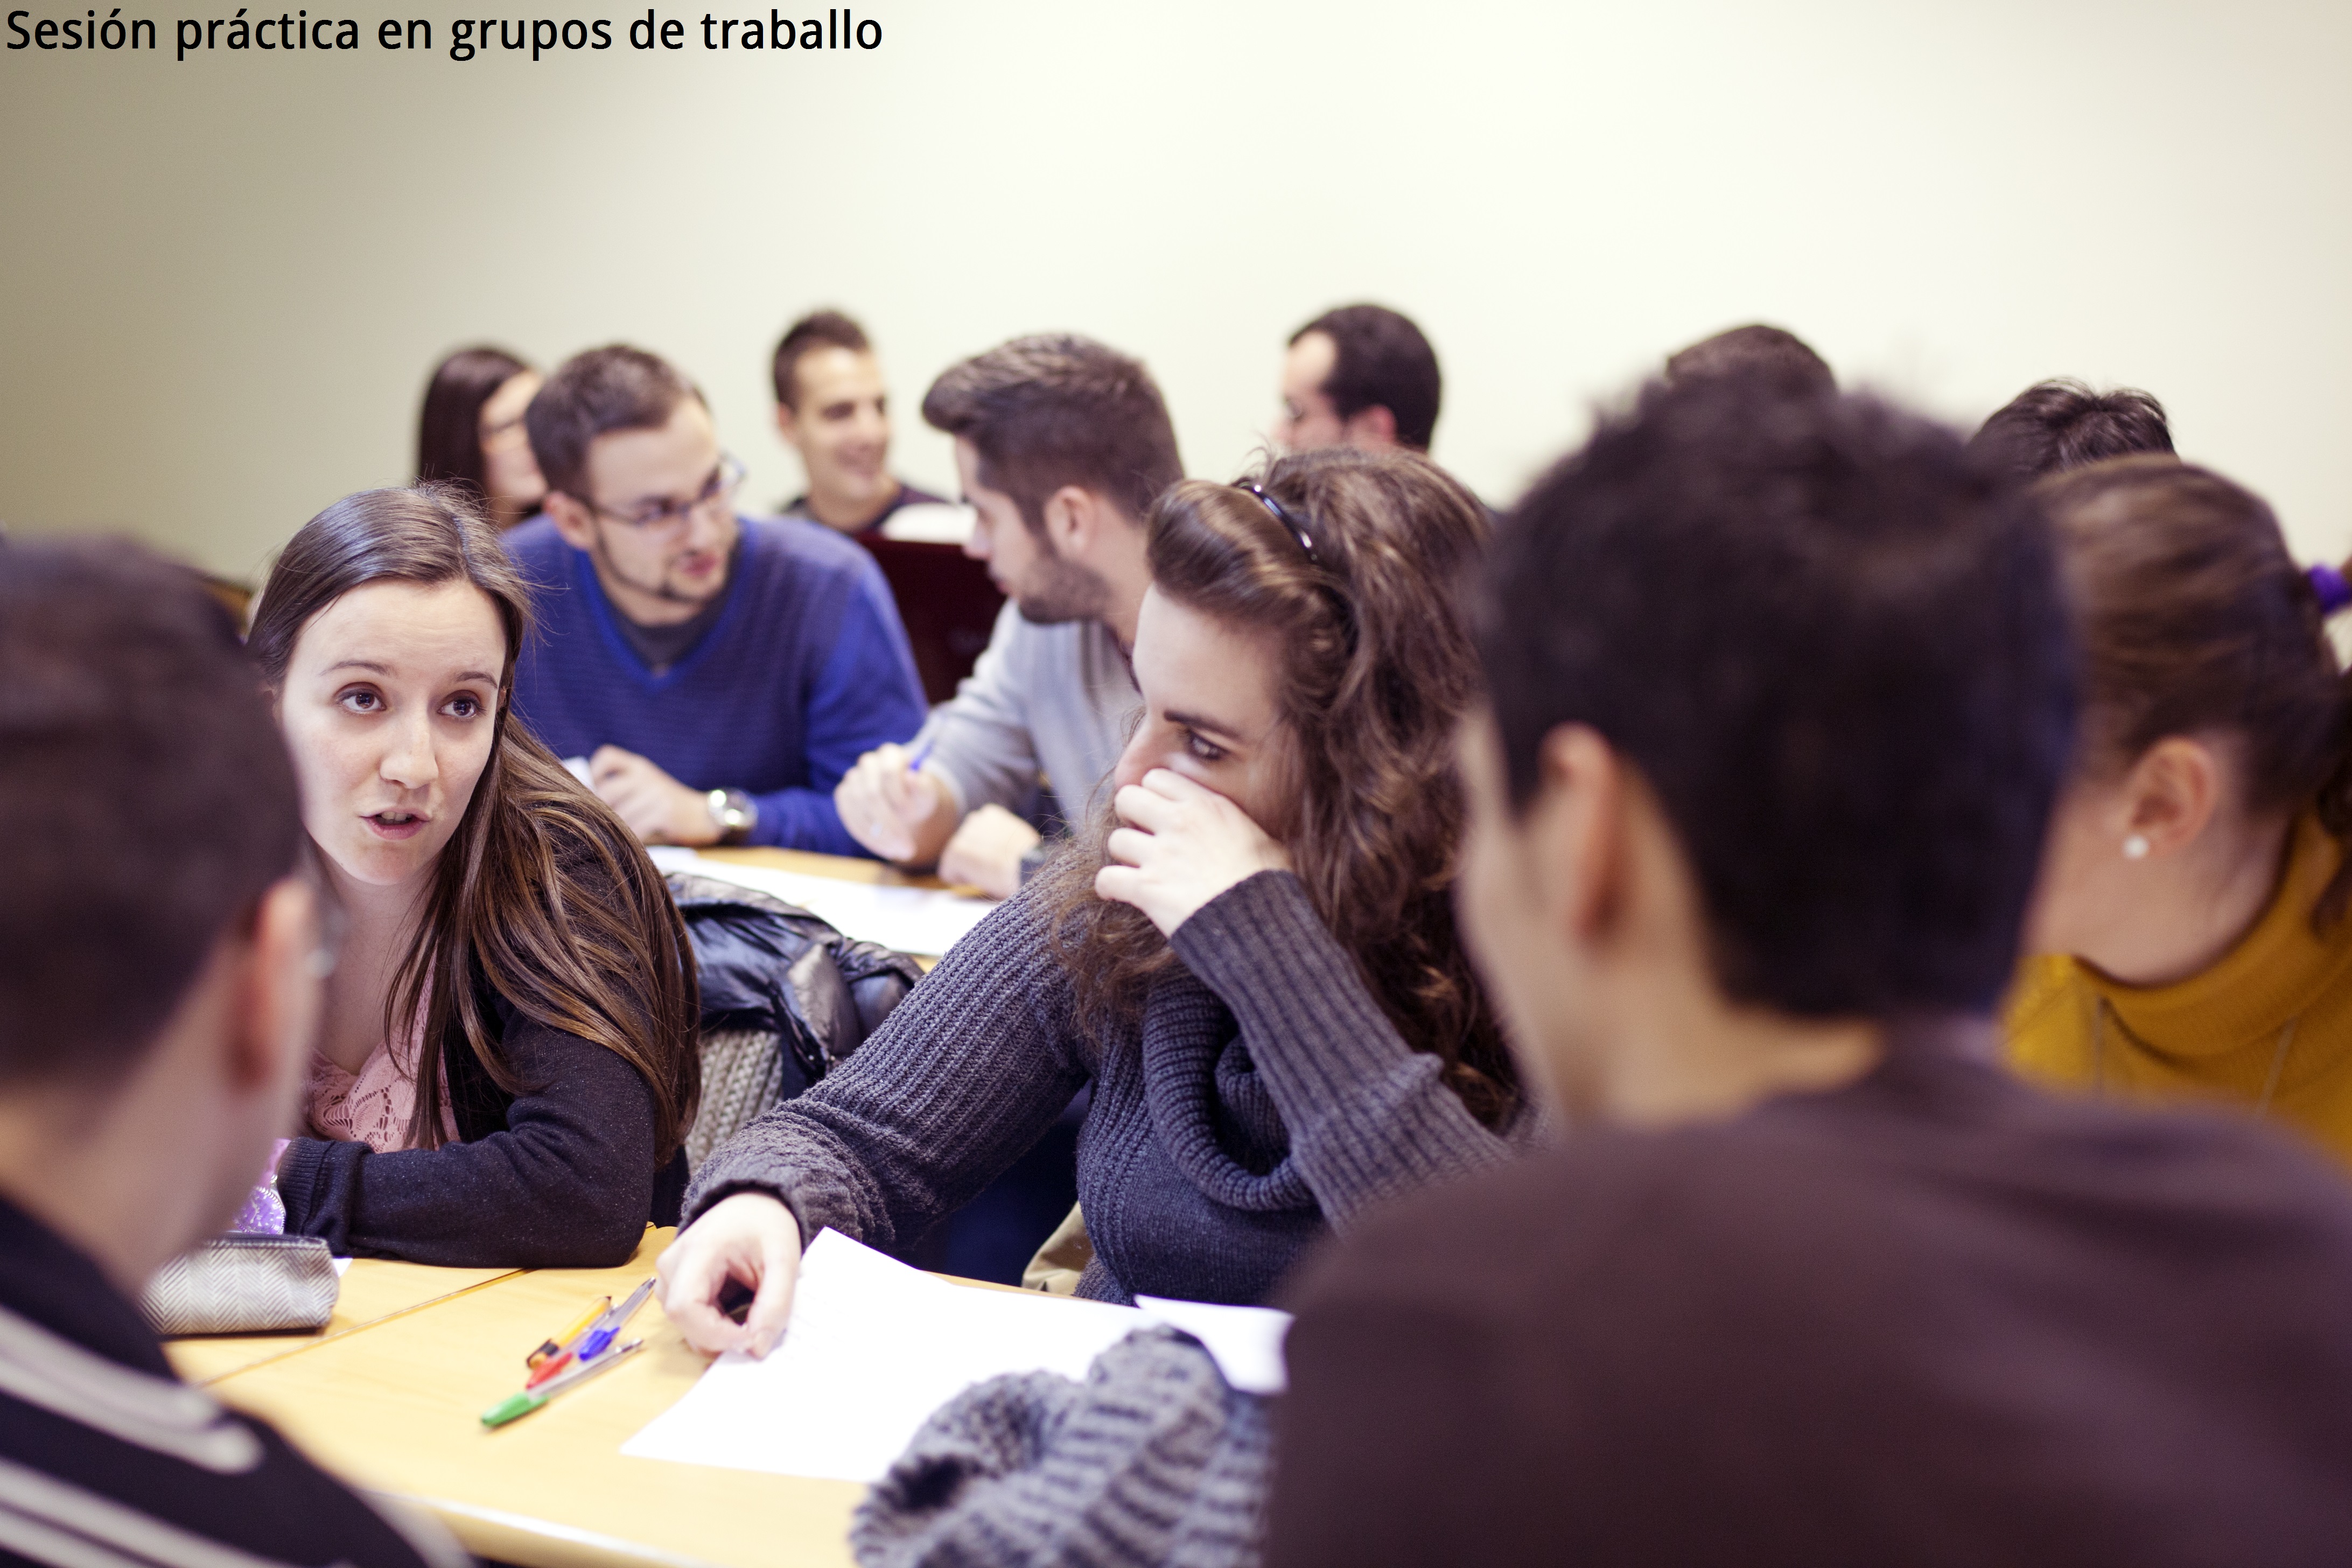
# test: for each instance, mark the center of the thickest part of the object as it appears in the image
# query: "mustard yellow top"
(2268, 1026)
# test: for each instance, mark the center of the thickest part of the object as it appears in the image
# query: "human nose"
(1139, 759)
(409, 760)
(976, 543)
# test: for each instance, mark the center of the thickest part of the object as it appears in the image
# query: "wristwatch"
(735, 812)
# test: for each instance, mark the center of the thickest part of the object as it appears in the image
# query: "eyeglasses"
(1283, 515)
(670, 518)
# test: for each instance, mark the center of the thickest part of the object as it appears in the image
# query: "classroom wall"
(227, 277)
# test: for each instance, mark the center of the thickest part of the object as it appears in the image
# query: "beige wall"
(225, 278)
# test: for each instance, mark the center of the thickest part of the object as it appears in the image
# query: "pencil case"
(245, 1285)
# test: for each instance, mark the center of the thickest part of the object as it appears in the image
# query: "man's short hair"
(1059, 409)
(146, 802)
(1380, 361)
(817, 329)
(1835, 648)
(1754, 350)
(593, 393)
(2062, 424)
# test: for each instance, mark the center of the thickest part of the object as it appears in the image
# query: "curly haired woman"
(1254, 962)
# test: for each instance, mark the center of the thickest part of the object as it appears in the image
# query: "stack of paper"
(925, 920)
(874, 1347)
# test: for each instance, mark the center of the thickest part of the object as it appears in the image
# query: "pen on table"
(614, 1322)
(516, 1406)
(580, 1325)
(591, 1344)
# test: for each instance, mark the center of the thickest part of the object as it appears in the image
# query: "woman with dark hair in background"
(471, 432)
(2196, 885)
(1254, 961)
(506, 1063)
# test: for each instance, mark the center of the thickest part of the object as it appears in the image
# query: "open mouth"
(395, 824)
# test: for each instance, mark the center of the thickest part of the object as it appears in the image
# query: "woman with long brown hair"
(506, 1058)
(2192, 906)
(1252, 960)
(470, 432)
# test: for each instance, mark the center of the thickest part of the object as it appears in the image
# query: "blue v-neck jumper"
(806, 669)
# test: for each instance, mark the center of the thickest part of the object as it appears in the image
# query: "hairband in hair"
(2335, 593)
(1296, 527)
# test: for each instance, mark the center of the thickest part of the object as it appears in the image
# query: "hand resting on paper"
(750, 1240)
(1183, 844)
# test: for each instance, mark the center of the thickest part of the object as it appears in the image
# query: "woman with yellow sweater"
(2194, 889)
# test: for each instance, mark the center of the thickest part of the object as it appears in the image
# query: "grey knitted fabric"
(742, 1074)
(1154, 1460)
(1263, 1100)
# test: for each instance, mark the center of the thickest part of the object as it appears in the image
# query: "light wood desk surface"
(840, 868)
(397, 1408)
(372, 1290)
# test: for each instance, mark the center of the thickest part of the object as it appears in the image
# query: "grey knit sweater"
(1154, 1460)
(1264, 1099)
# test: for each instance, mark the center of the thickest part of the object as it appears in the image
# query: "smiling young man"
(1781, 692)
(833, 408)
(1061, 444)
(719, 673)
(159, 987)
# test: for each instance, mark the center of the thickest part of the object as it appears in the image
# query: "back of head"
(2055, 425)
(817, 329)
(2194, 619)
(449, 430)
(1753, 350)
(1381, 360)
(1836, 650)
(146, 803)
(1059, 409)
(1376, 670)
(593, 393)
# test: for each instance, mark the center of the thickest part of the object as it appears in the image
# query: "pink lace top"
(374, 1105)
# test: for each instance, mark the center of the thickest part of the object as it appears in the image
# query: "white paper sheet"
(872, 1348)
(1245, 1342)
(925, 920)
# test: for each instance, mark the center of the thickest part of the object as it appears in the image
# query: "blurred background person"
(471, 431)
(833, 408)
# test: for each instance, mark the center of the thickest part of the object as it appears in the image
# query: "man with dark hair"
(1062, 445)
(158, 991)
(2054, 426)
(713, 676)
(1781, 689)
(1753, 350)
(832, 409)
(1361, 375)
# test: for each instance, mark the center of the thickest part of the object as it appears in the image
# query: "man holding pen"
(1061, 444)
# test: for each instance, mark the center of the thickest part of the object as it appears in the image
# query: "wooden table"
(840, 868)
(374, 1290)
(395, 1406)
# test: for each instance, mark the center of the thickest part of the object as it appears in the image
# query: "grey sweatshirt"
(1263, 1100)
(1054, 700)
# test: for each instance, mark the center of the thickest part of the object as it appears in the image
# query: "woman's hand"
(1184, 844)
(750, 1239)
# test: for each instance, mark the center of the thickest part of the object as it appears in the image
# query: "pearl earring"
(2136, 847)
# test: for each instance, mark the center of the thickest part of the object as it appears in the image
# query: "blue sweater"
(806, 669)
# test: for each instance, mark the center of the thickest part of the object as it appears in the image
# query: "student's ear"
(574, 524)
(788, 425)
(1074, 520)
(2172, 793)
(275, 1016)
(1372, 429)
(1577, 830)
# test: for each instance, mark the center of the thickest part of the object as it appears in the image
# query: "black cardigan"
(559, 1176)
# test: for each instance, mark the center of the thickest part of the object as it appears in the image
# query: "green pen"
(518, 1406)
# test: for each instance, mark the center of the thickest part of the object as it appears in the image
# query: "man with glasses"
(712, 675)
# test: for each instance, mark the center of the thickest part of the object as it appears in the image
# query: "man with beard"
(712, 675)
(1061, 444)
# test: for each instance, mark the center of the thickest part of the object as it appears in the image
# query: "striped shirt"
(107, 1461)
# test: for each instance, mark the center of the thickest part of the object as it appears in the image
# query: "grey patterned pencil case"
(242, 1284)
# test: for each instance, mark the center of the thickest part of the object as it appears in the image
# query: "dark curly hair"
(1377, 670)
